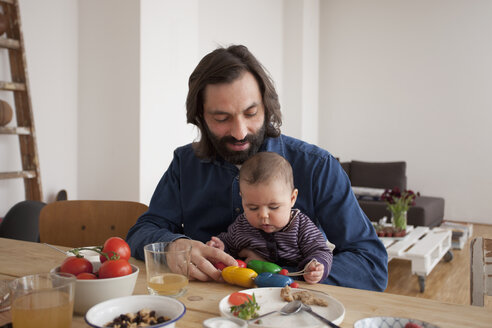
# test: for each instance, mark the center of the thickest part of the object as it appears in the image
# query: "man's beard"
(237, 157)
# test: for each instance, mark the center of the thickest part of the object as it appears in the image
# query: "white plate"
(89, 255)
(269, 300)
(390, 322)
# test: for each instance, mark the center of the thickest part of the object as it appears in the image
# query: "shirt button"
(238, 210)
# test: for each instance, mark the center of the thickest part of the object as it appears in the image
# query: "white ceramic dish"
(269, 300)
(390, 322)
(90, 255)
(105, 312)
(91, 292)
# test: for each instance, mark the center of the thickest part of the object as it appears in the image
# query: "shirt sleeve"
(160, 223)
(360, 259)
(312, 245)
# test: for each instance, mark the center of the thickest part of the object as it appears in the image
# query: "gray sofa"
(428, 211)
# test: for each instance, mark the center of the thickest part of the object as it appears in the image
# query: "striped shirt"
(295, 245)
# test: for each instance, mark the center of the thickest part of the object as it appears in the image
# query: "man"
(234, 104)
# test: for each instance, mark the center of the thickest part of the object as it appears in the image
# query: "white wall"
(169, 52)
(51, 49)
(411, 80)
(109, 100)
(398, 80)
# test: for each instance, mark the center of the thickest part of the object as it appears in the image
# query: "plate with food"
(273, 299)
(392, 322)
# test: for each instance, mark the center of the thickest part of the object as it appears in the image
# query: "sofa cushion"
(385, 175)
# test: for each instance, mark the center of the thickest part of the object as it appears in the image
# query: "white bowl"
(390, 322)
(107, 311)
(92, 291)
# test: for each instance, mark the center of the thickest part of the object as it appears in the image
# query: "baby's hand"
(313, 272)
(216, 243)
(248, 255)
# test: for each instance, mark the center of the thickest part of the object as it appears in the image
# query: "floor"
(449, 281)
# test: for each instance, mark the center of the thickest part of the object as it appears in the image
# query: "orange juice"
(167, 284)
(42, 309)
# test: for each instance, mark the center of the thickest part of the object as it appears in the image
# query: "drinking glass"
(42, 300)
(4, 295)
(167, 270)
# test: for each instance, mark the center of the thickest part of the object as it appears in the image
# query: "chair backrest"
(481, 270)
(76, 223)
(21, 221)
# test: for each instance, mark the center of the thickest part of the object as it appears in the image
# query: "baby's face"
(267, 205)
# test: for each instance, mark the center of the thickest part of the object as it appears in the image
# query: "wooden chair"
(481, 270)
(75, 223)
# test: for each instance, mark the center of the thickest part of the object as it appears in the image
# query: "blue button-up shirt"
(198, 199)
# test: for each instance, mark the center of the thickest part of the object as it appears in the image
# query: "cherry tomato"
(219, 265)
(283, 272)
(241, 264)
(114, 268)
(294, 285)
(86, 276)
(239, 298)
(76, 265)
(116, 245)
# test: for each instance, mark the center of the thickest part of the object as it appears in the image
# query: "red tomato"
(294, 285)
(114, 268)
(116, 245)
(241, 264)
(76, 265)
(239, 298)
(219, 265)
(86, 276)
(283, 272)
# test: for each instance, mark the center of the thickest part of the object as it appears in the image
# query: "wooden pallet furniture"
(481, 270)
(13, 41)
(422, 246)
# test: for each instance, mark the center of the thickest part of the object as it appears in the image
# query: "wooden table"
(19, 258)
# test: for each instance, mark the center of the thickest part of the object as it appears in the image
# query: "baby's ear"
(293, 197)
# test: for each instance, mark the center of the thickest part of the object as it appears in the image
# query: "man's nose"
(239, 129)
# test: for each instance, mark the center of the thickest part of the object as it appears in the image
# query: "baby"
(270, 229)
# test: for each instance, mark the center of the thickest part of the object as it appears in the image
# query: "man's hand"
(313, 272)
(249, 255)
(202, 257)
(216, 243)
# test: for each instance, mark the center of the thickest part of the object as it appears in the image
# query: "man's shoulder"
(293, 147)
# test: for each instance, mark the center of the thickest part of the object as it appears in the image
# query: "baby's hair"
(263, 167)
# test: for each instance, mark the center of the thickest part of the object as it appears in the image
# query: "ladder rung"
(12, 86)
(18, 174)
(9, 43)
(20, 130)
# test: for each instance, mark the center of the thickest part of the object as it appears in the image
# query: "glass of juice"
(167, 269)
(42, 300)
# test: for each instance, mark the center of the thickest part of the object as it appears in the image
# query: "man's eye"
(252, 208)
(220, 118)
(251, 113)
(273, 207)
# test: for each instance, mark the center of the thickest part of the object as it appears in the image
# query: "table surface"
(20, 258)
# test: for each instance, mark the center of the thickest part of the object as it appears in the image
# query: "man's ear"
(293, 197)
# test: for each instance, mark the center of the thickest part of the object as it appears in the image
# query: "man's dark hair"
(265, 166)
(225, 65)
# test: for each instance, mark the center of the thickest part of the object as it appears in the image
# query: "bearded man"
(233, 102)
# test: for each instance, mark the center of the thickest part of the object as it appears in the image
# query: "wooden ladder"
(13, 40)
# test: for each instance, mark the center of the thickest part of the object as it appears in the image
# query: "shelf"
(9, 43)
(12, 86)
(15, 130)
(18, 174)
